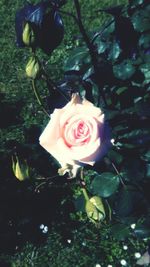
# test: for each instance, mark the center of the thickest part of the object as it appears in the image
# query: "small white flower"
(109, 265)
(113, 142)
(123, 262)
(133, 225)
(42, 226)
(125, 247)
(69, 241)
(97, 265)
(137, 255)
(45, 230)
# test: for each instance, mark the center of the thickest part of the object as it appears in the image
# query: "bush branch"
(92, 51)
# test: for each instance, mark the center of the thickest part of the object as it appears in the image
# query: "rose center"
(77, 133)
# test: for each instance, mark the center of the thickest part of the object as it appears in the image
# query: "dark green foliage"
(120, 231)
(120, 87)
(122, 90)
(105, 184)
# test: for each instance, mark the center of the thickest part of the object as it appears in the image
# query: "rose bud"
(20, 169)
(28, 36)
(76, 134)
(46, 23)
(33, 68)
(95, 209)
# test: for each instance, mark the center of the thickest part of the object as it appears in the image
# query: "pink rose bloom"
(76, 134)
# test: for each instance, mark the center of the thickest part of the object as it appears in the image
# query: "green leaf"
(124, 71)
(111, 114)
(146, 57)
(107, 33)
(105, 185)
(129, 200)
(141, 20)
(146, 156)
(135, 137)
(77, 58)
(121, 90)
(101, 46)
(114, 51)
(142, 231)
(144, 40)
(145, 68)
(124, 204)
(80, 203)
(142, 108)
(133, 169)
(89, 72)
(136, 2)
(95, 94)
(120, 231)
(115, 157)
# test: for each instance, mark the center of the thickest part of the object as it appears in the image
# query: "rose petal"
(82, 111)
(51, 133)
(68, 155)
(89, 122)
(102, 150)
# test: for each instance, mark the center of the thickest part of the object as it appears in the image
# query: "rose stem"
(85, 194)
(120, 176)
(90, 46)
(38, 97)
(83, 185)
(38, 186)
(46, 180)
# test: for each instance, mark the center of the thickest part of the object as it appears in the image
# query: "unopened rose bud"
(33, 68)
(20, 169)
(95, 209)
(28, 35)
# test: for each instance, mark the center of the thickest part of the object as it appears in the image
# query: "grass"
(85, 247)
